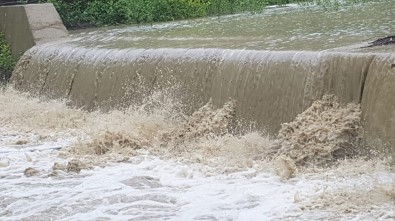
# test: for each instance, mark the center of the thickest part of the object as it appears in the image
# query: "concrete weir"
(269, 87)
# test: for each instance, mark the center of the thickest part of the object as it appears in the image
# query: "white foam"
(147, 187)
(180, 192)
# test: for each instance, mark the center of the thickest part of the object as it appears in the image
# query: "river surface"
(151, 162)
(284, 28)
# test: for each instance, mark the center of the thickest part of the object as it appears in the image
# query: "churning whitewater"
(152, 162)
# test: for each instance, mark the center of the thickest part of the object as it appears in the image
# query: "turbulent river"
(152, 161)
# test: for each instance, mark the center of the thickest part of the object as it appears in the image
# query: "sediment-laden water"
(160, 159)
(151, 162)
(283, 28)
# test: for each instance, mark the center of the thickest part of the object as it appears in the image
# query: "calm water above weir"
(287, 28)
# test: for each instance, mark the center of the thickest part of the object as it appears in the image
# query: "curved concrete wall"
(269, 87)
(27, 25)
(378, 103)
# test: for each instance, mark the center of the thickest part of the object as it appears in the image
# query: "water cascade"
(269, 87)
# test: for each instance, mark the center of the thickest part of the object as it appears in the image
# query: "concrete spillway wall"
(269, 87)
(27, 25)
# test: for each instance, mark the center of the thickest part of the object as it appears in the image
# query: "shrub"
(108, 12)
(7, 62)
(72, 12)
(81, 13)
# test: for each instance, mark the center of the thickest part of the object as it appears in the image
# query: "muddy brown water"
(138, 124)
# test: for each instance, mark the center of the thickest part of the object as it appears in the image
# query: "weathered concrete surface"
(27, 25)
(378, 103)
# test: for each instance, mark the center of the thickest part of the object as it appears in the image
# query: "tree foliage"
(80, 13)
(7, 62)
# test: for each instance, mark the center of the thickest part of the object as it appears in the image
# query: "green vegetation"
(7, 62)
(83, 13)
(87, 13)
